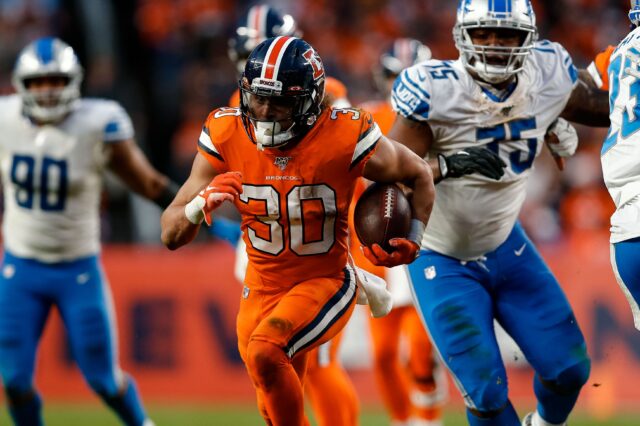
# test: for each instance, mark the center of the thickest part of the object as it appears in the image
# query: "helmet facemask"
(303, 106)
(495, 64)
(49, 59)
(48, 105)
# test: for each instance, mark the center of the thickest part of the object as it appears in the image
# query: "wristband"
(193, 210)
(416, 231)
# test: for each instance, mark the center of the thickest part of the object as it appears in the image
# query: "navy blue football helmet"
(258, 24)
(287, 73)
(403, 53)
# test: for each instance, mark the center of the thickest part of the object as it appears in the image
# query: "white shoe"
(534, 418)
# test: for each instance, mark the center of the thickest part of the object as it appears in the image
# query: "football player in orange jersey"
(290, 166)
(330, 391)
(413, 395)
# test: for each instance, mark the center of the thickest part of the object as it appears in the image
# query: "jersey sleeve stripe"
(406, 111)
(366, 143)
(116, 131)
(539, 49)
(331, 312)
(414, 87)
(205, 143)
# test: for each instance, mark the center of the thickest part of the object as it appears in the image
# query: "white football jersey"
(473, 214)
(52, 178)
(621, 150)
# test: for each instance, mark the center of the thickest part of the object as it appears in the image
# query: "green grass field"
(199, 415)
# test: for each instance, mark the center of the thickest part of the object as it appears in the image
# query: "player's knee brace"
(263, 360)
(571, 379)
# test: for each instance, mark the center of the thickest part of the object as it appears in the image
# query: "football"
(382, 212)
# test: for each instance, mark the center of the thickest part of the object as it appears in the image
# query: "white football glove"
(566, 138)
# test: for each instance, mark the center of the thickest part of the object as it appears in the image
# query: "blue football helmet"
(289, 72)
(47, 57)
(634, 12)
(404, 52)
(505, 14)
(258, 24)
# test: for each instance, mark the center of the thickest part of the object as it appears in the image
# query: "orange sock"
(278, 383)
(331, 394)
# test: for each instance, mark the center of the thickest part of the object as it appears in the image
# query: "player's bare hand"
(405, 252)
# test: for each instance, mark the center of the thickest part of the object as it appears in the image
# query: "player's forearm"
(588, 106)
(177, 230)
(424, 194)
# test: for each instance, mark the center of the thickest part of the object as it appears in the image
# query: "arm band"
(167, 195)
(193, 210)
(416, 231)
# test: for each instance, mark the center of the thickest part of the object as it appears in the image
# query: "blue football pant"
(625, 260)
(458, 301)
(28, 290)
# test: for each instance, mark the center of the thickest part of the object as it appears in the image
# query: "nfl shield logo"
(281, 162)
(430, 272)
(245, 292)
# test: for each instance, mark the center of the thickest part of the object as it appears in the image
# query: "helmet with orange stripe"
(258, 24)
(282, 88)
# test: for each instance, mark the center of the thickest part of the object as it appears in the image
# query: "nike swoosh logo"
(520, 250)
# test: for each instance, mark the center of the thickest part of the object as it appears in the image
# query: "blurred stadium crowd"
(166, 62)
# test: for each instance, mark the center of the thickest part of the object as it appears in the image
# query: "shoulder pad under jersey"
(222, 123)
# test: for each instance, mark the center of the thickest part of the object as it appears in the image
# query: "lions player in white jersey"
(54, 148)
(621, 162)
(476, 264)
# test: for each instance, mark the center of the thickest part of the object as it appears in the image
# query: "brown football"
(382, 212)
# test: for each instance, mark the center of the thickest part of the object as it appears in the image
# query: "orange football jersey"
(295, 202)
(599, 68)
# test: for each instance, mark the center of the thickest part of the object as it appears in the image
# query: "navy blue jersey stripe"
(321, 315)
(209, 151)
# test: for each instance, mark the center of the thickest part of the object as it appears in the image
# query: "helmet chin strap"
(271, 131)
